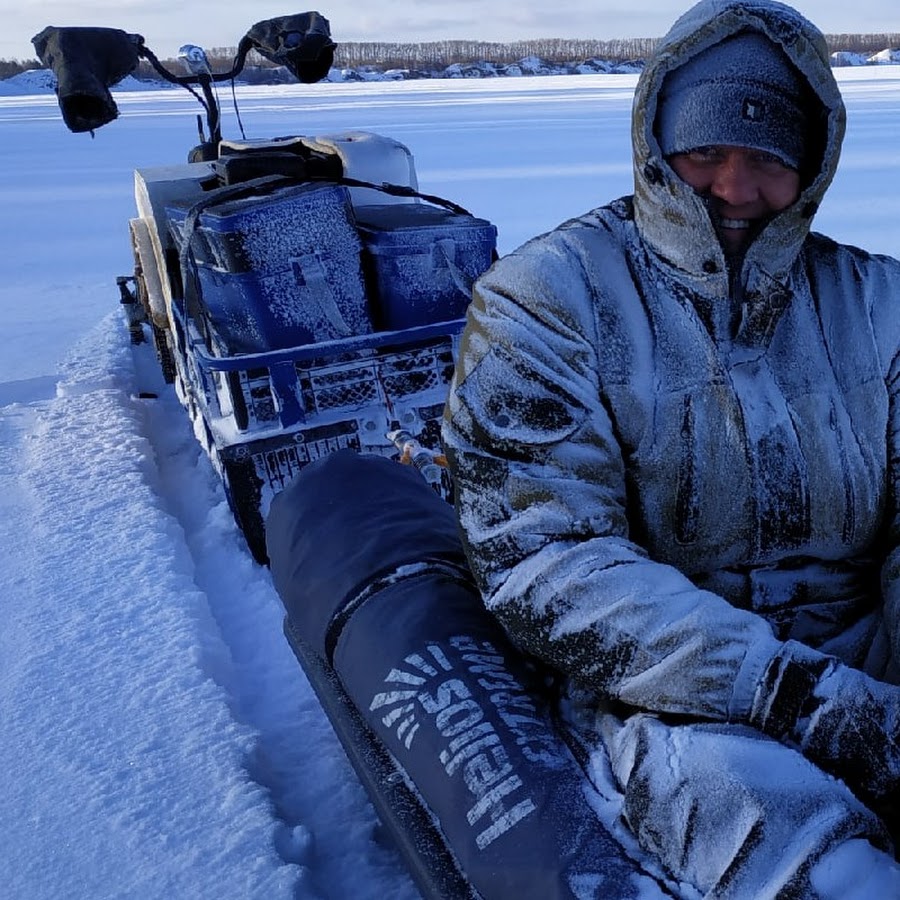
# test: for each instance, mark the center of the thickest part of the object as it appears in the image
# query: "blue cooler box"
(420, 261)
(278, 270)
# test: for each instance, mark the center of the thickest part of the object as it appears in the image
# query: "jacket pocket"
(512, 405)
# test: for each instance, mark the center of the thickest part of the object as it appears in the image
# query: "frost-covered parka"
(665, 470)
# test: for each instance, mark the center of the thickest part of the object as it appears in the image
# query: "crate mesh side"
(390, 377)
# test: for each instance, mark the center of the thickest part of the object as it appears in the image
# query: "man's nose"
(734, 182)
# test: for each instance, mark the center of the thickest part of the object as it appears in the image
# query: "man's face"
(742, 186)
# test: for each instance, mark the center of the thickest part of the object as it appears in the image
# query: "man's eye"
(770, 163)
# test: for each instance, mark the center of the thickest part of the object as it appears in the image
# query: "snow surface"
(158, 738)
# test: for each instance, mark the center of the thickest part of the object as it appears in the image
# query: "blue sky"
(167, 24)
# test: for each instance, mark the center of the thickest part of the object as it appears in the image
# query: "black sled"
(450, 729)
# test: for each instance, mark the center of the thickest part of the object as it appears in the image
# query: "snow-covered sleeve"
(885, 293)
(890, 575)
(543, 506)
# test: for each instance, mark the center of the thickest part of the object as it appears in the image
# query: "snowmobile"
(301, 293)
(305, 300)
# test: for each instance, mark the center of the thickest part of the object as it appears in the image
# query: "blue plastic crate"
(277, 270)
(420, 261)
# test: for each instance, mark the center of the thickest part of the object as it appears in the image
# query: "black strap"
(451, 568)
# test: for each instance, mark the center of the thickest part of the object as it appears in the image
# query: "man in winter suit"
(675, 433)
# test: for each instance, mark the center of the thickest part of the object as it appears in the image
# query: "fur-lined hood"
(671, 217)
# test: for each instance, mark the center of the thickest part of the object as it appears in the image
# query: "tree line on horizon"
(432, 55)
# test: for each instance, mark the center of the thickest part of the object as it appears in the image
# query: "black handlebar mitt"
(301, 42)
(86, 63)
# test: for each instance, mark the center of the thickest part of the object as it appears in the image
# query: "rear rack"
(266, 415)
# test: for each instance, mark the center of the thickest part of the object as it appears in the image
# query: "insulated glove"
(841, 719)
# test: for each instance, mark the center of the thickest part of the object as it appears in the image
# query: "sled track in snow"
(120, 751)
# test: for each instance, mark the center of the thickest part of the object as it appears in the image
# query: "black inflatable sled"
(449, 728)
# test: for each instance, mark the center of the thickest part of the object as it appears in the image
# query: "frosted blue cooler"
(420, 261)
(277, 270)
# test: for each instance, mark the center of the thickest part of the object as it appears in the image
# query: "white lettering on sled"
(430, 691)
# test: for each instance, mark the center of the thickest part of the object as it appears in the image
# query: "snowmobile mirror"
(86, 63)
(302, 43)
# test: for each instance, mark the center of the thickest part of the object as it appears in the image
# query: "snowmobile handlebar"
(88, 61)
(301, 43)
